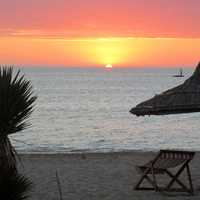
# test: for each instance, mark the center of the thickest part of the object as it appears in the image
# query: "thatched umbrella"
(184, 98)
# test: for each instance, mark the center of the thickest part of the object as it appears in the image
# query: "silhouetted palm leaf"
(16, 101)
(14, 186)
(16, 105)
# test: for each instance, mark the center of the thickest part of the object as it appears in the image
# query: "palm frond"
(14, 186)
(16, 105)
(16, 101)
(8, 155)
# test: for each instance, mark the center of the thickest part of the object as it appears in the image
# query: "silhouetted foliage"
(16, 105)
(14, 186)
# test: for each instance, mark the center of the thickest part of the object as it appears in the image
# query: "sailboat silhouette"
(180, 73)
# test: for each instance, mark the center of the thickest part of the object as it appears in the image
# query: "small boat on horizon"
(180, 73)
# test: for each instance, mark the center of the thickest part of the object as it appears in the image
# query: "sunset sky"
(124, 33)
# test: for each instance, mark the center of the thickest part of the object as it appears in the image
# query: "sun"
(108, 66)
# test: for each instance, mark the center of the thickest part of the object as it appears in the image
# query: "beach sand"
(95, 176)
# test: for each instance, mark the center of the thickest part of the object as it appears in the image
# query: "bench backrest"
(170, 158)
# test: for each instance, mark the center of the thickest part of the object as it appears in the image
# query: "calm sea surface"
(88, 110)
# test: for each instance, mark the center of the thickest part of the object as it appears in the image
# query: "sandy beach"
(95, 176)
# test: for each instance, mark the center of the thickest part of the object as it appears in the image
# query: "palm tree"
(16, 105)
(14, 186)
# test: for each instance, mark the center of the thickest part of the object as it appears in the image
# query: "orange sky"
(95, 33)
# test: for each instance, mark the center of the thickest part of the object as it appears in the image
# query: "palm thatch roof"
(184, 98)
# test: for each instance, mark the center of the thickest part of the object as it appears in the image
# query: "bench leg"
(175, 179)
(154, 180)
(190, 180)
(151, 182)
(137, 186)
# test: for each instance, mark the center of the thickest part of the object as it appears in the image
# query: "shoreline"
(100, 152)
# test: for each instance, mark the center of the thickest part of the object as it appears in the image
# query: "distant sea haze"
(82, 110)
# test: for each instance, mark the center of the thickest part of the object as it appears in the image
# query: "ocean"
(87, 110)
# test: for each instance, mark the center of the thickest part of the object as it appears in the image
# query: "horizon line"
(94, 67)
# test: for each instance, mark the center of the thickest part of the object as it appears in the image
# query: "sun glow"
(109, 51)
(109, 66)
(119, 52)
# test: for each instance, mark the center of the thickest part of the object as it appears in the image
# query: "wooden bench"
(161, 164)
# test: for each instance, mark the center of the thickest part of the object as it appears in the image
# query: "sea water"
(80, 109)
